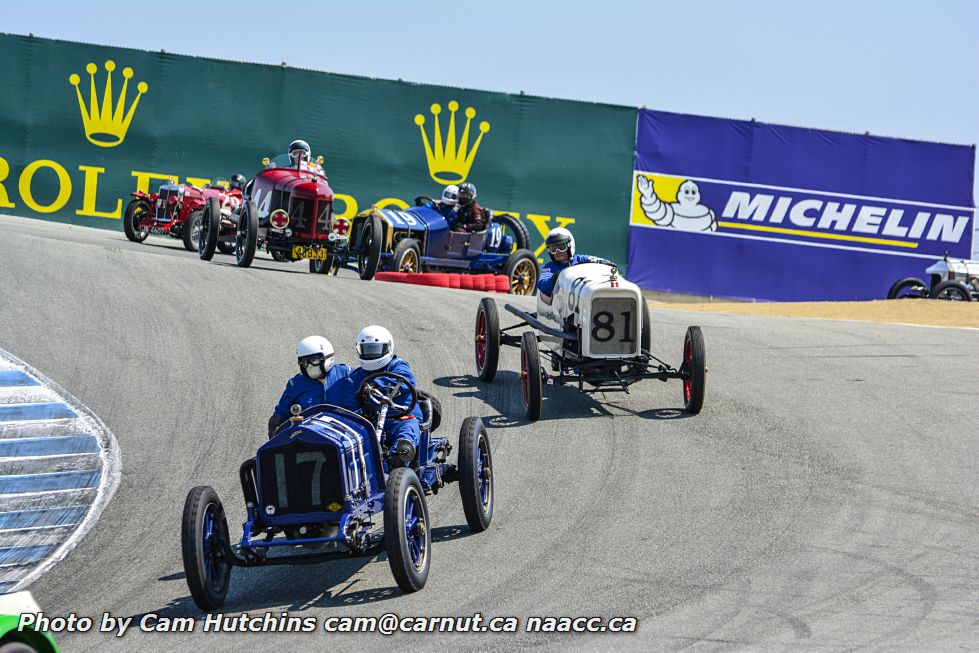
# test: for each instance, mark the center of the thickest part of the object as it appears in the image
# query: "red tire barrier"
(454, 280)
(439, 279)
(502, 283)
(466, 281)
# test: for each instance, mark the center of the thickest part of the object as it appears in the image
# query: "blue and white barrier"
(59, 467)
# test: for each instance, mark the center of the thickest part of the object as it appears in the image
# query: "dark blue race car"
(323, 482)
(419, 239)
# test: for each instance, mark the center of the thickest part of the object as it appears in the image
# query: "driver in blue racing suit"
(375, 350)
(560, 247)
(447, 205)
(317, 382)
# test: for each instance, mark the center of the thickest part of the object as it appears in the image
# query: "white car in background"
(953, 279)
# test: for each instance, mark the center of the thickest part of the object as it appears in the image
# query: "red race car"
(287, 209)
(176, 211)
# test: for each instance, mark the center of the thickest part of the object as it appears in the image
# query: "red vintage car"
(176, 211)
(287, 209)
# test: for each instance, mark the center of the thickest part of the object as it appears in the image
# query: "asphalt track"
(826, 498)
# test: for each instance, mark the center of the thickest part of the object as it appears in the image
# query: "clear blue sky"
(897, 68)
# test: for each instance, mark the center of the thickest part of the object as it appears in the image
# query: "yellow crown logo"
(103, 126)
(449, 162)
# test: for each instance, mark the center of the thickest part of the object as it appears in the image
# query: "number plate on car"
(613, 325)
(315, 253)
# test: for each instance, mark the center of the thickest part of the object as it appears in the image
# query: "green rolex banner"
(85, 125)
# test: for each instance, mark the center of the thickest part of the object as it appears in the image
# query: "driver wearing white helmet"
(447, 206)
(560, 247)
(316, 383)
(375, 350)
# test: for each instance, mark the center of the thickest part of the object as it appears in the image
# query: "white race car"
(596, 331)
(955, 279)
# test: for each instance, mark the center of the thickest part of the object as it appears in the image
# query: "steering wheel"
(372, 395)
(421, 200)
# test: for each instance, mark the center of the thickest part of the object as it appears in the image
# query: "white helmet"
(315, 355)
(559, 239)
(375, 348)
(450, 195)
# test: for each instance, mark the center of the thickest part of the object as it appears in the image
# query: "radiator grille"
(613, 325)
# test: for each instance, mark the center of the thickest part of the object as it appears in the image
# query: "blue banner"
(747, 210)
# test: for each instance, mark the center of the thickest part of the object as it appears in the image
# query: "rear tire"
(487, 341)
(407, 256)
(436, 409)
(204, 544)
(476, 474)
(647, 328)
(908, 288)
(515, 228)
(523, 272)
(695, 368)
(530, 375)
(952, 290)
(192, 231)
(326, 266)
(370, 247)
(210, 229)
(246, 236)
(137, 210)
(407, 535)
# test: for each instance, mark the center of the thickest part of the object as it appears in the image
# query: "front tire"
(246, 237)
(523, 272)
(204, 544)
(476, 474)
(695, 370)
(192, 231)
(487, 345)
(908, 288)
(407, 535)
(370, 247)
(210, 229)
(137, 210)
(530, 377)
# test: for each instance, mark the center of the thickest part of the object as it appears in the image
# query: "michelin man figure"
(686, 214)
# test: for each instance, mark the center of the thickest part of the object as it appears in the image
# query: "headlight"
(270, 510)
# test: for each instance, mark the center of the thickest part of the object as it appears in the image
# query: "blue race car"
(321, 482)
(419, 238)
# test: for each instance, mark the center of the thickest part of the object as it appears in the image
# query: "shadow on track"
(505, 396)
(323, 585)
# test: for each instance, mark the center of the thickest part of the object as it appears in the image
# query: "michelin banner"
(746, 210)
(82, 126)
